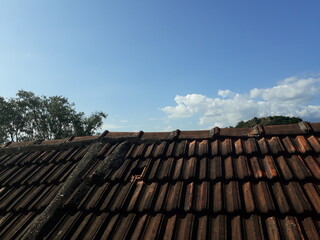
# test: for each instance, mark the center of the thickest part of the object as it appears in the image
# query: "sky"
(166, 65)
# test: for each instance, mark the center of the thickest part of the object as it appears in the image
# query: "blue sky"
(163, 65)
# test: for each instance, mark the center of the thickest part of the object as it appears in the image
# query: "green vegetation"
(271, 120)
(28, 117)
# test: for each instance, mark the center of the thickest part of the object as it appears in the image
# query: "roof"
(250, 183)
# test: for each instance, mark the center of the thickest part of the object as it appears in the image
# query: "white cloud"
(289, 90)
(290, 97)
(225, 93)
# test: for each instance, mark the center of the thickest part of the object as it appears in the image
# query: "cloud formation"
(290, 97)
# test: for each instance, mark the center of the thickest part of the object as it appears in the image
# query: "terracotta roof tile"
(299, 169)
(270, 169)
(238, 146)
(232, 197)
(256, 168)
(314, 142)
(215, 147)
(280, 197)
(263, 146)
(162, 196)
(296, 197)
(250, 146)
(241, 167)
(203, 167)
(248, 197)
(215, 168)
(263, 197)
(226, 147)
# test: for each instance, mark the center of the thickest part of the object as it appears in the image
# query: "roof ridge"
(302, 128)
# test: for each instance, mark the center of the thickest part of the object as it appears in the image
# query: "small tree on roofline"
(271, 120)
(28, 117)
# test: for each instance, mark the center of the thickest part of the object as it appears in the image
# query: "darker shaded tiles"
(83, 225)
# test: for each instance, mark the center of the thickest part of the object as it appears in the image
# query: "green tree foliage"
(28, 117)
(271, 120)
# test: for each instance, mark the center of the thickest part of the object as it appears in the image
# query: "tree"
(29, 117)
(271, 120)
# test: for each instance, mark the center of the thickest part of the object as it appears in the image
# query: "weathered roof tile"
(215, 168)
